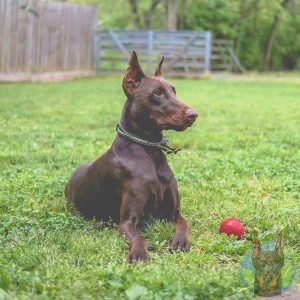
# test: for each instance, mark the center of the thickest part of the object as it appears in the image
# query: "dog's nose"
(191, 114)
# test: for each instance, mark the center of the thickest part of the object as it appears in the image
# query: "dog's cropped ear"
(256, 249)
(158, 69)
(133, 75)
(278, 247)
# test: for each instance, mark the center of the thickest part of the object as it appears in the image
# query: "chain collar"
(163, 144)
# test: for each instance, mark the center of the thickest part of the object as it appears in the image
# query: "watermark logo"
(265, 270)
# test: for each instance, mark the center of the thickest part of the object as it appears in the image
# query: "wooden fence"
(186, 52)
(42, 36)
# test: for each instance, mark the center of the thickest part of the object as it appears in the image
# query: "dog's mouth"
(176, 125)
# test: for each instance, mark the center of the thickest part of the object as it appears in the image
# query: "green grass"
(241, 159)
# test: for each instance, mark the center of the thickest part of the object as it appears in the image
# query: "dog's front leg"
(137, 243)
(181, 240)
(131, 211)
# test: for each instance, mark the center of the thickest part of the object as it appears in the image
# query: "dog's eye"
(157, 92)
(174, 91)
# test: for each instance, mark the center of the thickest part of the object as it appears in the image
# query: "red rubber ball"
(232, 226)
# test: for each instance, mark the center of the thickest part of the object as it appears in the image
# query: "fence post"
(207, 53)
(150, 49)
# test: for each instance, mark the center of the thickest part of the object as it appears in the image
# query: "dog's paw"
(137, 254)
(180, 243)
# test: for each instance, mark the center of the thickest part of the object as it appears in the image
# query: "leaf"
(3, 294)
(115, 284)
(39, 286)
(136, 291)
(4, 280)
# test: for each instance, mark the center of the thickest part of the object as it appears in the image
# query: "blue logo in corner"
(265, 270)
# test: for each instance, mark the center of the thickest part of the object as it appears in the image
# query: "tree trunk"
(149, 13)
(267, 59)
(182, 14)
(239, 30)
(135, 13)
(244, 11)
(269, 47)
(171, 10)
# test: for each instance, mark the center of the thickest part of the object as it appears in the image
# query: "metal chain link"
(163, 144)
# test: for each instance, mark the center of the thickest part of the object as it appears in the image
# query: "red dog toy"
(232, 226)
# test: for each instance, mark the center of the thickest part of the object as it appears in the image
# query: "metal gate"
(184, 51)
(187, 53)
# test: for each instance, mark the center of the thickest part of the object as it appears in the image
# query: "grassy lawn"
(240, 159)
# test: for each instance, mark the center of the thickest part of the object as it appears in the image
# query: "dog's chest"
(164, 173)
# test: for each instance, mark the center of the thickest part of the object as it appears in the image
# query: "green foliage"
(241, 159)
(287, 47)
(248, 23)
(117, 14)
(217, 16)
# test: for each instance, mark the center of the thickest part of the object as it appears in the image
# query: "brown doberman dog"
(133, 180)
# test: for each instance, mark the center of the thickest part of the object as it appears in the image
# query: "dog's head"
(153, 101)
